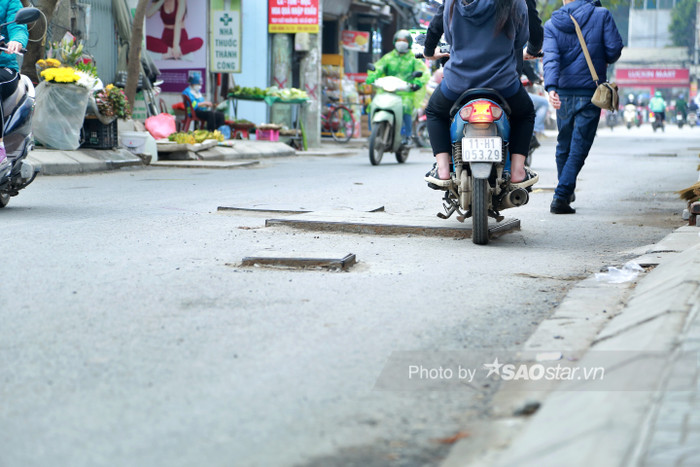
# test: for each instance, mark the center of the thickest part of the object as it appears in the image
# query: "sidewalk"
(648, 411)
(57, 162)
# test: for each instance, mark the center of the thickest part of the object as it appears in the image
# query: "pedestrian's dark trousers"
(9, 79)
(213, 118)
(522, 121)
(577, 122)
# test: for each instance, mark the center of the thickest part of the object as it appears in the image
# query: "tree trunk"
(36, 46)
(133, 66)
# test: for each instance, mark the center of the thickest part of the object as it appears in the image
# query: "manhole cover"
(343, 263)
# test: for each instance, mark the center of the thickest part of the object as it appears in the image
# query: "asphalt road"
(131, 336)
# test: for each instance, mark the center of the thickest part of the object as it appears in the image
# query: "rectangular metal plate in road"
(190, 164)
(389, 224)
(343, 263)
(282, 209)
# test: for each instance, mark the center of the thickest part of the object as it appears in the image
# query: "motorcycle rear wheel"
(480, 212)
(377, 144)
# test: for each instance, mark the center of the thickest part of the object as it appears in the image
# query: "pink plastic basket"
(267, 135)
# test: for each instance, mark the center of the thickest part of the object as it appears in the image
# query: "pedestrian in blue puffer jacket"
(568, 81)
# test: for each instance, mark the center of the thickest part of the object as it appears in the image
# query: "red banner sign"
(292, 16)
(650, 76)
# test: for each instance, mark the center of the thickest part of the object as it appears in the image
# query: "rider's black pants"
(9, 79)
(522, 121)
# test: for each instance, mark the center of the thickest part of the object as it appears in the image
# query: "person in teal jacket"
(401, 63)
(16, 37)
(657, 104)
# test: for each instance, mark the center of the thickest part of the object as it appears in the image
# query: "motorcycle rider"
(657, 104)
(16, 39)
(402, 64)
(682, 106)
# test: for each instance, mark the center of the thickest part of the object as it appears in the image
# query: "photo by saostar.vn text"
(507, 372)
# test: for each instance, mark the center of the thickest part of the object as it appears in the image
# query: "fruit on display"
(272, 91)
(194, 137)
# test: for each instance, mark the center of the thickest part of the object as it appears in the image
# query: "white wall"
(254, 58)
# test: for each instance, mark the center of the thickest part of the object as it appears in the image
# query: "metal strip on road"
(302, 263)
(388, 224)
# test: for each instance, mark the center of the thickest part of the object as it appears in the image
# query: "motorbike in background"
(656, 122)
(18, 109)
(680, 120)
(692, 118)
(386, 115)
(631, 116)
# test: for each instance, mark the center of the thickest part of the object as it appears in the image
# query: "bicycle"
(338, 120)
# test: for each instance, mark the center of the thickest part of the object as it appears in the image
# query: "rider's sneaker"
(434, 181)
(531, 178)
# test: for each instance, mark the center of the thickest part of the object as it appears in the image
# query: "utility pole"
(310, 71)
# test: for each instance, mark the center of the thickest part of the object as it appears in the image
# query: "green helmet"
(657, 94)
(403, 34)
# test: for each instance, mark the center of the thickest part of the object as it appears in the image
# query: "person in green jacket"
(682, 106)
(401, 63)
(657, 104)
(16, 37)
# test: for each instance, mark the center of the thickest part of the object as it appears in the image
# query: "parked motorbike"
(480, 181)
(18, 109)
(656, 122)
(386, 115)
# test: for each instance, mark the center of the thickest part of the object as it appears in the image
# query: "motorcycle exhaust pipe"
(516, 198)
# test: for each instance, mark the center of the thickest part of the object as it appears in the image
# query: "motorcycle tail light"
(480, 112)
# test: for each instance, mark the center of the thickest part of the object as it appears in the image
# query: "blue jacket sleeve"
(16, 32)
(612, 39)
(551, 60)
(522, 34)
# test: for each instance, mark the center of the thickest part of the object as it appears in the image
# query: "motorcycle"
(631, 116)
(656, 122)
(18, 139)
(680, 121)
(480, 181)
(692, 119)
(386, 115)
(611, 119)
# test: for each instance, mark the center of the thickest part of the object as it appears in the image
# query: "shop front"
(644, 82)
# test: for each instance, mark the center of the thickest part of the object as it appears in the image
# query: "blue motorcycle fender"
(481, 169)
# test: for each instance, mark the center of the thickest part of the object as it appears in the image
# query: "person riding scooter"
(657, 104)
(402, 64)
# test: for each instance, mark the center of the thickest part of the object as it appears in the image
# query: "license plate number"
(482, 149)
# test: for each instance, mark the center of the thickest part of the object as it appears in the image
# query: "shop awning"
(652, 77)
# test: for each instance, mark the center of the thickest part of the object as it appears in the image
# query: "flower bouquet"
(112, 102)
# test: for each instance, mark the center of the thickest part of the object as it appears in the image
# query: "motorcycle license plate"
(482, 149)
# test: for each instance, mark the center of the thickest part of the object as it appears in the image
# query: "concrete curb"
(57, 162)
(584, 427)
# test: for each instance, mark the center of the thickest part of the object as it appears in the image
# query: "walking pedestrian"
(570, 86)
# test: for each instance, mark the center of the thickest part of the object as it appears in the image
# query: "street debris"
(528, 408)
(548, 356)
(629, 272)
(454, 438)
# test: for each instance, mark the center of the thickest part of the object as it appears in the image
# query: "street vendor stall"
(272, 96)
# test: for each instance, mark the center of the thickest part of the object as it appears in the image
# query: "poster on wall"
(175, 37)
(357, 41)
(225, 36)
(292, 16)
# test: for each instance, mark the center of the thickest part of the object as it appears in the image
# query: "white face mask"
(197, 87)
(401, 47)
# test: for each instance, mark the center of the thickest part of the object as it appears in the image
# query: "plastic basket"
(96, 135)
(267, 135)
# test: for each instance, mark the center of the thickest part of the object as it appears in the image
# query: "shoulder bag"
(606, 95)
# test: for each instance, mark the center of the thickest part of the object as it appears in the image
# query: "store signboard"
(652, 76)
(293, 16)
(225, 36)
(357, 41)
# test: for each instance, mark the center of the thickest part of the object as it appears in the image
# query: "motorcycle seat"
(479, 93)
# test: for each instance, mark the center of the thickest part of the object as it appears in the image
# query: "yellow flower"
(109, 87)
(60, 75)
(53, 62)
